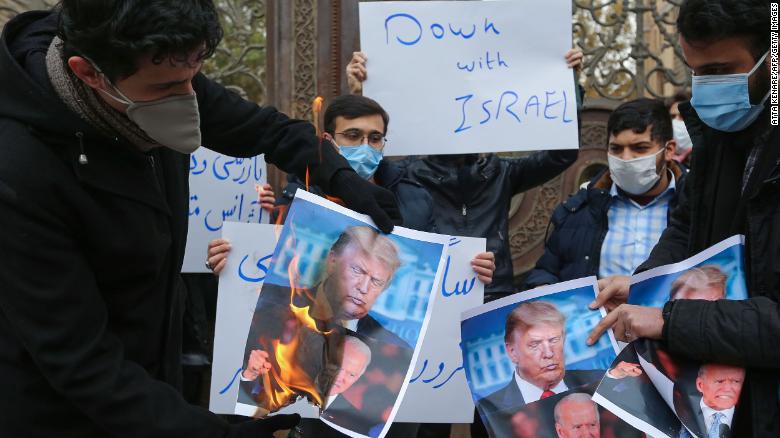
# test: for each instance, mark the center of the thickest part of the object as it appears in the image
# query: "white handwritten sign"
(239, 285)
(221, 188)
(438, 391)
(462, 77)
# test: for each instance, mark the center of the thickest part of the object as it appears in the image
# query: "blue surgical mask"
(723, 101)
(364, 159)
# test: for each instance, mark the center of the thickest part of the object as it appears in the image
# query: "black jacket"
(414, 202)
(473, 200)
(579, 226)
(90, 290)
(744, 333)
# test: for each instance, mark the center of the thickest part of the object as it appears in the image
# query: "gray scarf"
(85, 102)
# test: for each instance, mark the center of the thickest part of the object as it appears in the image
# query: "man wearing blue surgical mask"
(733, 188)
(609, 227)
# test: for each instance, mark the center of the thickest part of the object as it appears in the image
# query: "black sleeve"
(233, 126)
(742, 333)
(672, 247)
(62, 322)
(548, 267)
(536, 169)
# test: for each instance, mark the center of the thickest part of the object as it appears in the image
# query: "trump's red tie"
(546, 394)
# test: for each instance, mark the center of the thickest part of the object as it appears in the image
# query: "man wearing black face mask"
(732, 188)
(101, 102)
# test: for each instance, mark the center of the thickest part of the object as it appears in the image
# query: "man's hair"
(705, 21)
(351, 107)
(116, 34)
(370, 242)
(531, 314)
(637, 115)
(699, 278)
(577, 397)
(360, 346)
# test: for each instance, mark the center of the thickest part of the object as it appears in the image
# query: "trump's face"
(353, 364)
(357, 280)
(720, 386)
(538, 354)
(578, 420)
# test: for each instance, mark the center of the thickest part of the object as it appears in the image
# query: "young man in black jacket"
(733, 188)
(101, 103)
(609, 228)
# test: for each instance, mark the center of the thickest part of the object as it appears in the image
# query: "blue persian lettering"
(260, 267)
(467, 287)
(226, 388)
(244, 209)
(442, 366)
(408, 30)
(193, 201)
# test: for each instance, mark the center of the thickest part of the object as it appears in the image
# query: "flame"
(316, 109)
(336, 200)
(287, 378)
(307, 178)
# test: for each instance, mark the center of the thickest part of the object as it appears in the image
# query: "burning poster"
(528, 365)
(340, 317)
(701, 398)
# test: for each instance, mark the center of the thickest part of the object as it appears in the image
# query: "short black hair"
(712, 20)
(116, 34)
(350, 107)
(637, 115)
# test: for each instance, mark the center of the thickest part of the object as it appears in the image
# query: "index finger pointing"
(602, 326)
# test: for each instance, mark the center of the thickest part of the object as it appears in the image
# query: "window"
(476, 356)
(501, 349)
(493, 372)
(480, 376)
(489, 353)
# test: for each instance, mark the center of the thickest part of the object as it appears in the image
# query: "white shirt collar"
(351, 324)
(708, 412)
(532, 393)
(329, 401)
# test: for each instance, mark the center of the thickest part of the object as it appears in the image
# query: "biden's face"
(720, 386)
(358, 279)
(538, 354)
(579, 420)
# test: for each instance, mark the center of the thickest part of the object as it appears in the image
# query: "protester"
(102, 102)
(472, 194)
(684, 146)
(349, 120)
(731, 189)
(609, 227)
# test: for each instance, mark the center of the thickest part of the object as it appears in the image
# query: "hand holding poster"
(474, 76)
(529, 368)
(700, 396)
(222, 188)
(340, 318)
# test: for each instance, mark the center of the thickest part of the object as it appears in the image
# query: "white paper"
(221, 188)
(438, 391)
(519, 94)
(239, 284)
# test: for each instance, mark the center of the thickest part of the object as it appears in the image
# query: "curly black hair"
(116, 34)
(712, 20)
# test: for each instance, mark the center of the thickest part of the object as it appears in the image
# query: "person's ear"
(332, 140)
(671, 148)
(330, 264)
(85, 71)
(699, 385)
(511, 351)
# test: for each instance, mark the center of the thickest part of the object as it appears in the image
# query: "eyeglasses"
(354, 137)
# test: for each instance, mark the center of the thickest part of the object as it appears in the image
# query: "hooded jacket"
(712, 207)
(580, 225)
(90, 290)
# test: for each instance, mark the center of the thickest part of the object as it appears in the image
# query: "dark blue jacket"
(414, 202)
(573, 249)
